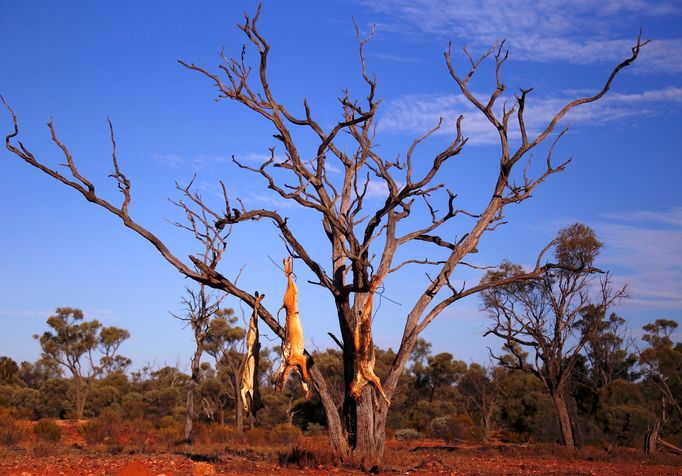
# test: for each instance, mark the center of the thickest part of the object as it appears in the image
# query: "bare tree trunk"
(82, 390)
(371, 430)
(487, 421)
(564, 417)
(80, 402)
(335, 428)
(651, 438)
(194, 382)
(238, 409)
(575, 424)
(364, 422)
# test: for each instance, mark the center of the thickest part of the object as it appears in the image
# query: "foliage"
(47, 431)
(12, 430)
(9, 371)
(286, 433)
(451, 428)
(73, 344)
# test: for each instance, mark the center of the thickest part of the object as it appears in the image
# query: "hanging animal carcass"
(249, 388)
(292, 348)
(364, 349)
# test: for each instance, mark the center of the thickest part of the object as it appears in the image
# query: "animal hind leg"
(373, 379)
(282, 376)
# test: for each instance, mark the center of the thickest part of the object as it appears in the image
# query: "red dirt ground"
(72, 457)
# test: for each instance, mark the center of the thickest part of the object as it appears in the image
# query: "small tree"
(478, 386)
(545, 315)
(9, 371)
(224, 341)
(661, 364)
(607, 357)
(200, 306)
(75, 344)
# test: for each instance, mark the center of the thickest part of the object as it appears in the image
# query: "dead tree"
(362, 240)
(544, 316)
(200, 306)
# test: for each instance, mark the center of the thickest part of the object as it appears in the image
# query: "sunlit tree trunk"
(191, 389)
(565, 424)
(238, 409)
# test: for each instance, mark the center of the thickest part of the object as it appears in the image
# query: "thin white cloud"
(206, 161)
(44, 314)
(576, 31)
(416, 114)
(169, 160)
(647, 245)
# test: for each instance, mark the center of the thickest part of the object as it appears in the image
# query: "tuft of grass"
(12, 430)
(47, 431)
(299, 457)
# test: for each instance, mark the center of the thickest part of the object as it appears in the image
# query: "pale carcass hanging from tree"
(249, 390)
(364, 348)
(293, 349)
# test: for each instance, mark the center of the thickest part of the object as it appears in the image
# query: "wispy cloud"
(417, 114)
(395, 58)
(576, 31)
(169, 160)
(647, 246)
(44, 313)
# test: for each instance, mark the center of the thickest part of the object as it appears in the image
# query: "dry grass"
(286, 451)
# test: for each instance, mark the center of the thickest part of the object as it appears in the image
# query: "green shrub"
(47, 431)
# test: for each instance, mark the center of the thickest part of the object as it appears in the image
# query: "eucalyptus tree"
(76, 344)
(541, 321)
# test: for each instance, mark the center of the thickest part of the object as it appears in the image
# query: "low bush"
(286, 434)
(12, 430)
(299, 457)
(255, 436)
(405, 434)
(315, 429)
(221, 433)
(171, 433)
(107, 428)
(47, 431)
(451, 428)
(42, 450)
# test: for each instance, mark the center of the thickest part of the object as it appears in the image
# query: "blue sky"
(78, 61)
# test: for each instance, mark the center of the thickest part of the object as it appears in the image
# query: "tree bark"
(564, 417)
(82, 390)
(193, 383)
(651, 438)
(361, 438)
(238, 410)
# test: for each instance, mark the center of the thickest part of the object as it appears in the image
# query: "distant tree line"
(614, 392)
